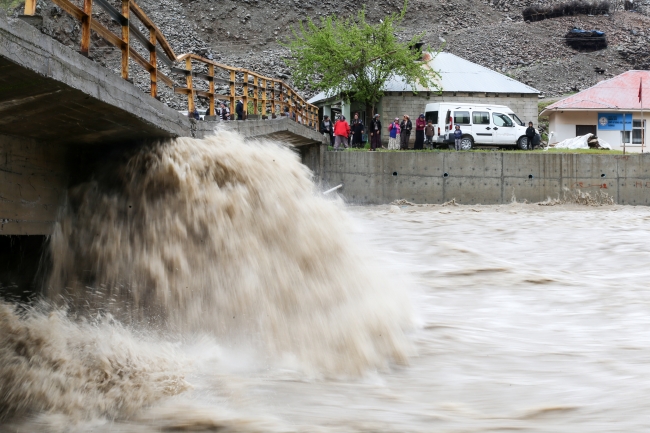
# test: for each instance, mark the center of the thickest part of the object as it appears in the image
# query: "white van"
(482, 124)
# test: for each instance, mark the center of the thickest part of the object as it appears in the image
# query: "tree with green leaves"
(353, 58)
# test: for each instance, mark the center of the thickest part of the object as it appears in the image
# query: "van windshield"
(516, 119)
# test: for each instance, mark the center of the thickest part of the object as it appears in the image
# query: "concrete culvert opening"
(394, 173)
(602, 175)
(445, 175)
(530, 176)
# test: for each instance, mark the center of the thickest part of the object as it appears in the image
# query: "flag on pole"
(640, 89)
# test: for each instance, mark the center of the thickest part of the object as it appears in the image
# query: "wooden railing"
(268, 97)
(260, 95)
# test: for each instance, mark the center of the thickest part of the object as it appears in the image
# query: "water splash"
(83, 369)
(229, 237)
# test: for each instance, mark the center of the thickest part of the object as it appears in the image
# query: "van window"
(432, 116)
(517, 119)
(481, 118)
(461, 117)
(501, 120)
(448, 117)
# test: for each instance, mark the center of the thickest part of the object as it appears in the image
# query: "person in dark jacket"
(458, 138)
(530, 135)
(327, 127)
(225, 112)
(195, 114)
(419, 132)
(429, 132)
(405, 133)
(357, 131)
(239, 109)
(375, 133)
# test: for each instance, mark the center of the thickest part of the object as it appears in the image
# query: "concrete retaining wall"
(482, 177)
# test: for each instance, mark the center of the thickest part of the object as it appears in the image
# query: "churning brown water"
(205, 285)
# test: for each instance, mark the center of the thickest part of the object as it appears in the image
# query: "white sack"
(581, 142)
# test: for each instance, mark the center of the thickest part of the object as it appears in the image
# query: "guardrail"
(260, 95)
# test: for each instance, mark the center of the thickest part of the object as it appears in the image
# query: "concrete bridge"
(56, 104)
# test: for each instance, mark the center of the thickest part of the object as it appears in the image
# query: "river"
(517, 317)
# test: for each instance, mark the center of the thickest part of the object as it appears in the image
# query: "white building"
(460, 81)
(601, 110)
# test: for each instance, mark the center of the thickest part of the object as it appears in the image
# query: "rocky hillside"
(492, 33)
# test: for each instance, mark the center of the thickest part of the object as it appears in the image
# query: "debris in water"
(451, 202)
(402, 202)
(598, 198)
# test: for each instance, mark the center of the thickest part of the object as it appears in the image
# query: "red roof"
(618, 93)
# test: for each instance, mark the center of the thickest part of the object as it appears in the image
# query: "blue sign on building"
(614, 121)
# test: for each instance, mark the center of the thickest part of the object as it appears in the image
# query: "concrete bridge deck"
(48, 92)
(56, 103)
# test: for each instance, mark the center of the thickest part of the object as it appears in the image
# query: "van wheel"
(522, 143)
(466, 143)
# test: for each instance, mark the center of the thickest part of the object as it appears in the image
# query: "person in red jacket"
(341, 133)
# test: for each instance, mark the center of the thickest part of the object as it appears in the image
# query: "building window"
(637, 133)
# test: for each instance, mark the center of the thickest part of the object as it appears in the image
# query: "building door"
(585, 129)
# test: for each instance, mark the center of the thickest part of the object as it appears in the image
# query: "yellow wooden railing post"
(125, 40)
(264, 96)
(233, 77)
(30, 7)
(85, 27)
(154, 62)
(211, 91)
(188, 81)
(255, 95)
(245, 91)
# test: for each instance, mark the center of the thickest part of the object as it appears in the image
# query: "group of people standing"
(399, 133)
(341, 131)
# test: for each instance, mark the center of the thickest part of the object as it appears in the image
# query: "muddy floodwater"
(215, 290)
(529, 318)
